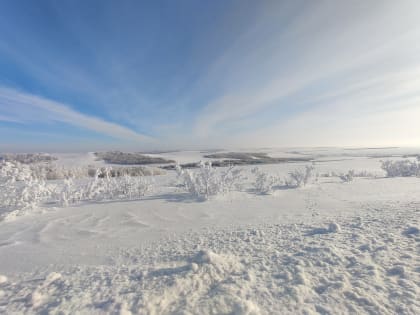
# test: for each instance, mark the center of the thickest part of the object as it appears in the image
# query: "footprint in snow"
(411, 231)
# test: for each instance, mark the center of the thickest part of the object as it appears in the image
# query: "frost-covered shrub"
(122, 188)
(347, 177)
(132, 187)
(350, 177)
(264, 183)
(206, 181)
(402, 168)
(19, 188)
(363, 174)
(299, 178)
(104, 187)
(68, 193)
(132, 171)
(52, 171)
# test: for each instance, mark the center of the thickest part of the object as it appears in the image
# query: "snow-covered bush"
(19, 188)
(123, 188)
(132, 187)
(130, 171)
(52, 171)
(56, 172)
(264, 183)
(299, 178)
(352, 176)
(401, 168)
(347, 177)
(206, 181)
(104, 187)
(363, 174)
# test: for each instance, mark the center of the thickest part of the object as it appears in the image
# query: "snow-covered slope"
(326, 248)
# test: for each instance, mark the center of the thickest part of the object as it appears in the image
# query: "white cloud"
(298, 69)
(21, 107)
(367, 52)
(8, 119)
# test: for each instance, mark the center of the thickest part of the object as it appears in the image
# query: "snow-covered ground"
(330, 247)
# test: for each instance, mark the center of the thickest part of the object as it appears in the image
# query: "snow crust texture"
(365, 264)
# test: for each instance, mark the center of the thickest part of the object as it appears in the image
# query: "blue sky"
(133, 75)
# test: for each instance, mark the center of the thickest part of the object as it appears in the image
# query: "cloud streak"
(16, 106)
(365, 52)
(271, 71)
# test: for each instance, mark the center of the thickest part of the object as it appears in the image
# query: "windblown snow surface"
(327, 248)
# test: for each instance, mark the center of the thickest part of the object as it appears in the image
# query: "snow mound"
(206, 257)
(3, 279)
(45, 293)
(332, 228)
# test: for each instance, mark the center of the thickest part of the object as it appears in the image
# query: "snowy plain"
(330, 247)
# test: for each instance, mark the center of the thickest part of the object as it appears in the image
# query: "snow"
(412, 230)
(326, 248)
(3, 279)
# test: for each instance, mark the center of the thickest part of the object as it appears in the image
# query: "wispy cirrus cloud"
(354, 57)
(8, 119)
(16, 106)
(271, 71)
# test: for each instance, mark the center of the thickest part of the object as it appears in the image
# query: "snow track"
(366, 264)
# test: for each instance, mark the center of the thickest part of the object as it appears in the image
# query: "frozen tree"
(347, 177)
(105, 187)
(19, 188)
(69, 192)
(402, 168)
(206, 181)
(127, 187)
(264, 183)
(299, 178)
